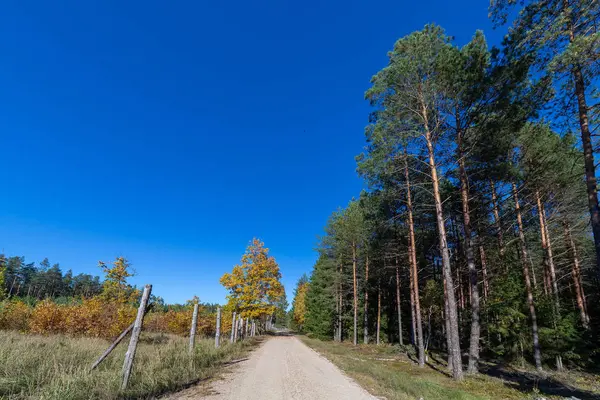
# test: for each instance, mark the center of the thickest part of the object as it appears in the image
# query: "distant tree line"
(44, 280)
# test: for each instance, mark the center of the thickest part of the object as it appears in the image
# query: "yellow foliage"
(47, 317)
(300, 304)
(14, 315)
(115, 287)
(254, 286)
(97, 317)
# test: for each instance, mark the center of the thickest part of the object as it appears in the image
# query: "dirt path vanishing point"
(283, 368)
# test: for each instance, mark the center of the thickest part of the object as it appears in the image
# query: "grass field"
(387, 373)
(57, 367)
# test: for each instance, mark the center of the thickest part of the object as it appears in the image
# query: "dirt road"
(283, 368)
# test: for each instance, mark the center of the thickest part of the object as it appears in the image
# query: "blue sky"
(173, 132)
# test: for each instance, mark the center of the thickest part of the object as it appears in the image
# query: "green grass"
(387, 373)
(57, 367)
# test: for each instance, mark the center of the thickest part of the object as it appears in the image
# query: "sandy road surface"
(282, 368)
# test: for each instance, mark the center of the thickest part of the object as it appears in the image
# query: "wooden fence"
(240, 329)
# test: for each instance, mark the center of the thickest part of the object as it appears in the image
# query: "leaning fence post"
(135, 336)
(218, 329)
(117, 341)
(233, 320)
(193, 328)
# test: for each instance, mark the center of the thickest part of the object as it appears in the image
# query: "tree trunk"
(525, 260)
(447, 327)
(452, 316)
(576, 274)
(588, 149)
(486, 284)
(337, 312)
(547, 246)
(414, 276)
(590, 167)
(413, 322)
(398, 304)
(473, 366)
(378, 311)
(12, 286)
(497, 222)
(355, 292)
(366, 311)
(339, 305)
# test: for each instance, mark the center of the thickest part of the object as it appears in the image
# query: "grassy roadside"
(387, 374)
(57, 367)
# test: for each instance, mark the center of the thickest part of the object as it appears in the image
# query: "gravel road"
(283, 368)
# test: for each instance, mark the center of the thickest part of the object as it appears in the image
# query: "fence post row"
(218, 330)
(193, 328)
(135, 336)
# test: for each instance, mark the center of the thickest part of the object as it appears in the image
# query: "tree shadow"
(235, 361)
(282, 333)
(527, 381)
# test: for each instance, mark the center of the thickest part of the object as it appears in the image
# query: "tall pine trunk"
(547, 246)
(378, 311)
(525, 261)
(355, 293)
(414, 276)
(473, 366)
(497, 222)
(339, 305)
(366, 308)
(398, 304)
(454, 350)
(576, 275)
(588, 149)
(486, 283)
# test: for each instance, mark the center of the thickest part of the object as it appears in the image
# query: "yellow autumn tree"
(299, 303)
(254, 286)
(115, 287)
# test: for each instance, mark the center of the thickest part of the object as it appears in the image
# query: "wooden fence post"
(135, 336)
(233, 320)
(218, 331)
(237, 328)
(193, 328)
(117, 341)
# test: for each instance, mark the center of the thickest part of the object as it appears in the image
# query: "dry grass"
(387, 373)
(57, 367)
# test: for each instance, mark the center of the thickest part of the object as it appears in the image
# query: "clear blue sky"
(172, 132)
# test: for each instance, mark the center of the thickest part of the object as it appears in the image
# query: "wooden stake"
(117, 341)
(232, 328)
(218, 331)
(237, 329)
(193, 328)
(135, 336)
